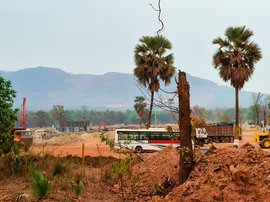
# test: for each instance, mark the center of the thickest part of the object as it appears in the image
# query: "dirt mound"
(158, 169)
(227, 174)
(155, 174)
(67, 138)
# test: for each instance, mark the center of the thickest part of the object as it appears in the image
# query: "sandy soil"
(71, 144)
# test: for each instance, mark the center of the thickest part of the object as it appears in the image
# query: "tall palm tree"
(152, 65)
(235, 60)
(139, 106)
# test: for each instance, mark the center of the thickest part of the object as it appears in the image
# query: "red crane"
(24, 114)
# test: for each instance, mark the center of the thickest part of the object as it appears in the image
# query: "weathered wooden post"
(83, 162)
(186, 152)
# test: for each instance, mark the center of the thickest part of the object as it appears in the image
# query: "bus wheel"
(138, 149)
(266, 143)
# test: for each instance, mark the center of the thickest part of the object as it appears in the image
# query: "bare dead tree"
(255, 99)
(164, 103)
(159, 16)
(265, 109)
(186, 153)
(184, 122)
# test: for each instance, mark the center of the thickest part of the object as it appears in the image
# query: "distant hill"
(44, 87)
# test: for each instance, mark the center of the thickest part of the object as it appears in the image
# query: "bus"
(145, 139)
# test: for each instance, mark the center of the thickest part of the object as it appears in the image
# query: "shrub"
(121, 168)
(77, 185)
(26, 146)
(59, 169)
(41, 185)
(5, 143)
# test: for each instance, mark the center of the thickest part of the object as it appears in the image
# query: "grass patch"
(40, 183)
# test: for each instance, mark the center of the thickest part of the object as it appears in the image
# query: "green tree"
(199, 112)
(235, 60)
(139, 107)
(152, 65)
(256, 99)
(59, 114)
(131, 117)
(42, 118)
(8, 115)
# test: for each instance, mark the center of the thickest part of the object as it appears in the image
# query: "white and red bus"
(145, 140)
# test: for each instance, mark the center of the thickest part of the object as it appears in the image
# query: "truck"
(22, 135)
(220, 132)
(263, 138)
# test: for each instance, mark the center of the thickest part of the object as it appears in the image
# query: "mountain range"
(44, 87)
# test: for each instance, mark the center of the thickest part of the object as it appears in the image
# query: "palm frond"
(151, 62)
(236, 56)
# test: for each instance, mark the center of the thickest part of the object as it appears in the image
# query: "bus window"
(144, 136)
(123, 135)
(165, 136)
(155, 136)
(136, 136)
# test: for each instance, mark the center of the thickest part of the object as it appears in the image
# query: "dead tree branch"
(159, 16)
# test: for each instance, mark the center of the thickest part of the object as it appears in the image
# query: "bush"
(41, 185)
(59, 169)
(5, 143)
(26, 146)
(77, 185)
(121, 168)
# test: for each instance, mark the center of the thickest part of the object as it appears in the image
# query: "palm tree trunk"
(236, 114)
(150, 110)
(140, 121)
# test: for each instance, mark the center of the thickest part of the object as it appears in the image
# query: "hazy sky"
(99, 36)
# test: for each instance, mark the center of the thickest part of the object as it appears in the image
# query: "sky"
(99, 36)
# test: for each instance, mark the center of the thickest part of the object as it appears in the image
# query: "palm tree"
(140, 107)
(152, 65)
(235, 60)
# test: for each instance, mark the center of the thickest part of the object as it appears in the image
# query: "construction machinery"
(22, 135)
(263, 138)
(102, 126)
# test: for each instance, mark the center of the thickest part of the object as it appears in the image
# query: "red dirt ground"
(226, 174)
(72, 145)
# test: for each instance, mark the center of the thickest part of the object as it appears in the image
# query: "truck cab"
(201, 136)
(22, 136)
